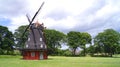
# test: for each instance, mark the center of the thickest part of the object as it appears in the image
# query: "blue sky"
(92, 16)
(4, 21)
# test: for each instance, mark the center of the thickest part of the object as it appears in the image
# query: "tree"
(85, 39)
(73, 40)
(54, 39)
(18, 33)
(91, 50)
(107, 41)
(6, 40)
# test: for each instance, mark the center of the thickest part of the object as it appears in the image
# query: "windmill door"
(41, 55)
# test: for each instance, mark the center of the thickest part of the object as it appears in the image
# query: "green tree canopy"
(73, 40)
(54, 39)
(107, 41)
(77, 39)
(6, 40)
(85, 39)
(18, 33)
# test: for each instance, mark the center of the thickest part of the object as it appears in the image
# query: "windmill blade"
(33, 19)
(28, 18)
(37, 12)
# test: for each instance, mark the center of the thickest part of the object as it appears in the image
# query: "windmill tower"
(35, 47)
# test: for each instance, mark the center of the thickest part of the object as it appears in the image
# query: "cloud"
(17, 21)
(58, 14)
(12, 7)
(12, 10)
(97, 18)
(91, 16)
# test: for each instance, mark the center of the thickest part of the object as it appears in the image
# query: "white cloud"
(67, 23)
(107, 10)
(91, 16)
(18, 21)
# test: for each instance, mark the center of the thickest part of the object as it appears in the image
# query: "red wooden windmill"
(35, 47)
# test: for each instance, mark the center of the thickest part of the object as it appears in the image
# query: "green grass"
(57, 61)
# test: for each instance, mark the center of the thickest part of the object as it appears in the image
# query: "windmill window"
(28, 39)
(27, 46)
(40, 39)
(45, 46)
(32, 54)
(41, 45)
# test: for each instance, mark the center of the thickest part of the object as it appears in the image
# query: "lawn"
(57, 61)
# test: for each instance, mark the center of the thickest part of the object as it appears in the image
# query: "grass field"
(57, 61)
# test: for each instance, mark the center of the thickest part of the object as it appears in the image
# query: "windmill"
(35, 47)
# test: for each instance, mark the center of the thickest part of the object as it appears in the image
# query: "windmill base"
(34, 54)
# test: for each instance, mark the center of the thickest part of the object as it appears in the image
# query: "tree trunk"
(84, 50)
(110, 54)
(74, 50)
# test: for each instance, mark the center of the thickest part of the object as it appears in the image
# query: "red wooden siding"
(45, 55)
(27, 55)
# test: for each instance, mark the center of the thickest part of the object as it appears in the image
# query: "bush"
(17, 52)
(67, 53)
(1, 52)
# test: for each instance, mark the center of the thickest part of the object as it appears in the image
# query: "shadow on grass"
(106, 56)
(9, 56)
(35, 59)
(49, 59)
(116, 56)
(100, 56)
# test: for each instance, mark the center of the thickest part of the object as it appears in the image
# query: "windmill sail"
(30, 22)
(33, 19)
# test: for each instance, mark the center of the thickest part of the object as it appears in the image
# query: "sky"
(92, 16)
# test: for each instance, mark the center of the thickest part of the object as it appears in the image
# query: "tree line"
(6, 41)
(105, 43)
